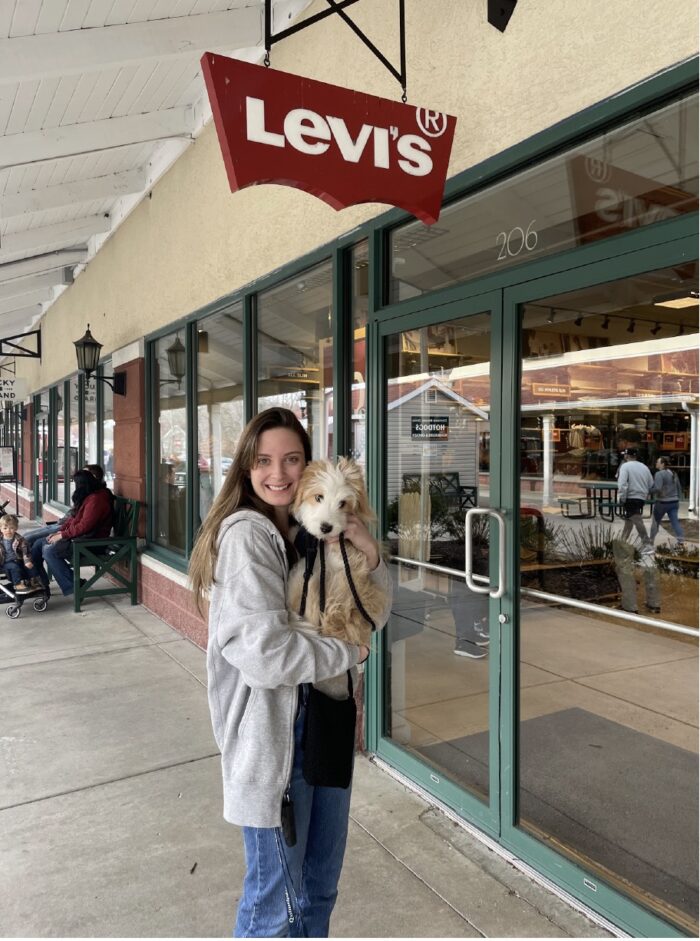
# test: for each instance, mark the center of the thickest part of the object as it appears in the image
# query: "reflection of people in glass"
(634, 484)
(668, 492)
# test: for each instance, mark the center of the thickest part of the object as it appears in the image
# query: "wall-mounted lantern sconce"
(87, 351)
(177, 363)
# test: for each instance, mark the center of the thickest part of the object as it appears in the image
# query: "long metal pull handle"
(468, 553)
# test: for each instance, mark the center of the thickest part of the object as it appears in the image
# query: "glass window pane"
(358, 411)
(437, 639)
(90, 425)
(74, 444)
(609, 567)
(170, 442)
(613, 184)
(295, 352)
(108, 428)
(220, 410)
(60, 459)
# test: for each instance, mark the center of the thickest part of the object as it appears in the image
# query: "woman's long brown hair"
(237, 493)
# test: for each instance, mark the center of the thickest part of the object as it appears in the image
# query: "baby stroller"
(39, 597)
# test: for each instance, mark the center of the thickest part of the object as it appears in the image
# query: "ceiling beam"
(71, 140)
(10, 304)
(71, 52)
(19, 319)
(39, 263)
(19, 287)
(110, 186)
(63, 234)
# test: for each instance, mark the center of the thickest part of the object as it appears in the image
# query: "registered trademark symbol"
(597, 169)
(431, 123)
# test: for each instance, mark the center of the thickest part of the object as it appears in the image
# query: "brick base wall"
(166, 596)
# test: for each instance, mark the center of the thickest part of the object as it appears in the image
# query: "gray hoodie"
(634, 481)
(667, 486)
(255, 663)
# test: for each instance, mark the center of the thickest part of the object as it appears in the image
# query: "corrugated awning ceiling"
(97, 99)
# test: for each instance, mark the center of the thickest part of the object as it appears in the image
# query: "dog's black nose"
(325, 528)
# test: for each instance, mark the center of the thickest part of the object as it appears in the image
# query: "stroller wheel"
(40, 604)
(12, 611)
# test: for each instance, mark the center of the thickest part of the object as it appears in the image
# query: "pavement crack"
(417, 876)
(97, 784)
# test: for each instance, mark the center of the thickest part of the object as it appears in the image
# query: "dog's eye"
(319, 498)
(341, 504)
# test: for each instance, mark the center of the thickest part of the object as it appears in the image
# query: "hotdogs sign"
(343, 146)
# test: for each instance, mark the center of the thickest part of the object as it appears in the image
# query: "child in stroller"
(17, 567)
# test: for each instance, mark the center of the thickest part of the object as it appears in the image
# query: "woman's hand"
(361, 538)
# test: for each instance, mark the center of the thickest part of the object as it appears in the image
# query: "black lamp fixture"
(655, 329)
(177, 362)
(606, 322)
(578, 321)
(87, 351)
(633, 324)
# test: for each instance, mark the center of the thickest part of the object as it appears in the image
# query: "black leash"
(318, 546)
(351, 583)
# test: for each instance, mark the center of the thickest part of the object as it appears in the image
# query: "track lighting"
(655, 329)
(681, 331)
(578, 321)
(552, 315)
(631, 327)
(606, 322)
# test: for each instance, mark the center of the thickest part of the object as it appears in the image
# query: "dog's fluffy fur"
(325, 496)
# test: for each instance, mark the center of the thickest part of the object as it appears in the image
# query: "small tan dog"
(325, 496)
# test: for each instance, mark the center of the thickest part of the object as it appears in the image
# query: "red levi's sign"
(340, 145)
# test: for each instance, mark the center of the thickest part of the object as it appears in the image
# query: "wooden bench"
(106, 555)
(448, 485)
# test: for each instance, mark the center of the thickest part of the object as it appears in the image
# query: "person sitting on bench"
(51, 528)
(92, 517)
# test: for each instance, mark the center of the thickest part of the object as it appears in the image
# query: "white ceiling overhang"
(98, 98)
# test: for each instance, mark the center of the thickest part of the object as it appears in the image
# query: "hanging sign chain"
(338, 6)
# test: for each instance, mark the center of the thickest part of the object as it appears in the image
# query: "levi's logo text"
(343, 146)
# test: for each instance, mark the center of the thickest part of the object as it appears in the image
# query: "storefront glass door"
(439, 643)
(41, 462)
(557, 710)
(607, 736)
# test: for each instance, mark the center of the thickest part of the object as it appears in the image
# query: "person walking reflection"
(634, 484)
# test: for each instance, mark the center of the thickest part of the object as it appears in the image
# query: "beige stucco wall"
(194, 241)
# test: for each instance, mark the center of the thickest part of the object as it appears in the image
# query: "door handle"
(468, 553)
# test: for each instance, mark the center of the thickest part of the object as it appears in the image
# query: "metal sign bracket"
(338, 7)
(10, 348)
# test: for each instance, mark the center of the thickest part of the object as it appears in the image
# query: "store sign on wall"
(343, 146)
(539, 388)
(435, 428)
(12, 390)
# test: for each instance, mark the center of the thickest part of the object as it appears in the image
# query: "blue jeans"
(36, 534)
(43, 551)
(661, 508)
(291, 891)
(15, 571)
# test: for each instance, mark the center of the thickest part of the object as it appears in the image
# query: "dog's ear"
(352, 472)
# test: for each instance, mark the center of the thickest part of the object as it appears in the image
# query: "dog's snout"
(325, 528)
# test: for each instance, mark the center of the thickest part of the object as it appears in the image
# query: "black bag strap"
(351, 583)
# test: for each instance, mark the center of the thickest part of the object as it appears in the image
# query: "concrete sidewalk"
(110, 805)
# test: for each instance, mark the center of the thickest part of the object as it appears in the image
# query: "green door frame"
(568, 875)
(659, 246)
(485, 815)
